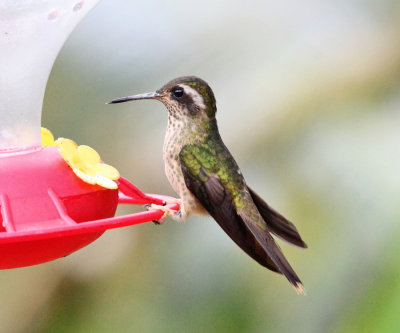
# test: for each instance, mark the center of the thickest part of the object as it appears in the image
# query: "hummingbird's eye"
(178, 92)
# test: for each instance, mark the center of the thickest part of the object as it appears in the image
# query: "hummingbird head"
(186, 96)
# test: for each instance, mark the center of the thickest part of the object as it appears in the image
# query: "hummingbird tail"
(266, 251)
(276, 223)
(243, 224)
(300, 290)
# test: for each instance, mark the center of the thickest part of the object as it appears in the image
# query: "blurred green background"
(308, 96)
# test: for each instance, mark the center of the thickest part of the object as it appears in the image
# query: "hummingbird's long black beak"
(151, 95)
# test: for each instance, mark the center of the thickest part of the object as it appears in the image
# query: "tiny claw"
(164, 203)
(156, 222)
(178, 214)
(166, 212)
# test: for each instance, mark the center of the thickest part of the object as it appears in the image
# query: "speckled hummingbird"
(204, 174)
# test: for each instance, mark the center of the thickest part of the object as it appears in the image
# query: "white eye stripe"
(196, 97)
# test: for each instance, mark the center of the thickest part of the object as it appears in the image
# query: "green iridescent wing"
(212, 176)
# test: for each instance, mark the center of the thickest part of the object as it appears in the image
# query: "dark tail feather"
(264, 245)
(276, 255)
(251, 235)
(261, 247)
(277, 224)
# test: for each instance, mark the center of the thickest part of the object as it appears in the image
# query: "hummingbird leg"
(166, 210)
(178, 215)
(172, 201)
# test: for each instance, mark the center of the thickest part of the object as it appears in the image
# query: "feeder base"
(46, 212)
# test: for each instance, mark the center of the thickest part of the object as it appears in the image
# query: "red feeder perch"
(46, 212)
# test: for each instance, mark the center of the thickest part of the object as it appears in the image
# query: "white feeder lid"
(31, 35)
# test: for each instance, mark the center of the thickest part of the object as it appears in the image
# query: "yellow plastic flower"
(47, 137)
(84, 161)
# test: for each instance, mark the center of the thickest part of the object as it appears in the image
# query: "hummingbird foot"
(167, 211)
(177, 215)
(172, 201)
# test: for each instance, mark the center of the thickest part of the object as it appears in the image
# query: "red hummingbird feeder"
(46, 211)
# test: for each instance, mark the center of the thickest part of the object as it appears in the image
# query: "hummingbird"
(202, 171)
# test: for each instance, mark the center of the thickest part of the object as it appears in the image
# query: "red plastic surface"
(46, 212)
